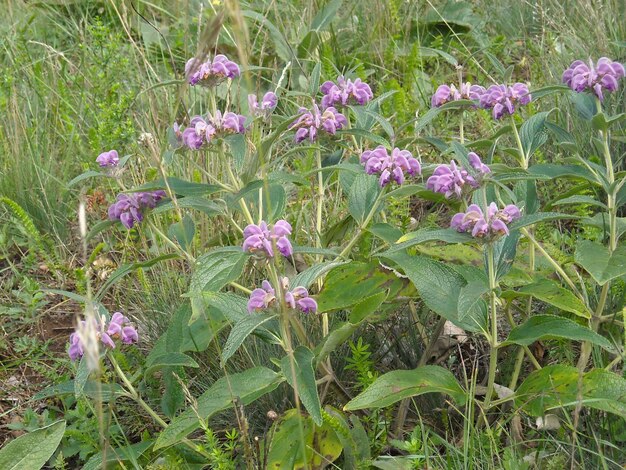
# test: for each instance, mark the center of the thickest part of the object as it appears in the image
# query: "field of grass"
(498, 350)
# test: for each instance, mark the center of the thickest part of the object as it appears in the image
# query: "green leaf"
(471, 302)
(179, 187)
(552, 293)
(183, 232)
(531, 219)
(386, 232)
(201, 204)
(432, 113)
(367, 306)
(248, 386)
(217, 268)
(121, 454)
(84, 176)
(362, 196)
(170, 359)
(301, 376)
(238, 147)
(439, 286)
(366, 135)
(81, 376)
(297, 443)
(91, 389)
(31, 451)
(541, 327)
(533, 133)
(559, 386)
(585, 105)
(579, 200)
(349, 284)
(340, 333)
(504, 253)
(126, 269)
(274, 201)
(310, 275)
(597, 261)
(399, 384)
(551, 170)
(600, 122)
(242, 329)
(447, 235)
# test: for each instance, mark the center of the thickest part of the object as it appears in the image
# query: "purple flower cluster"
(128, 207)
(108, 159)
(203, 131)
(298, 298)
(605, 74)
(311, 121)
(451, 180)
(265, 107)
(210, 73)
(345, 92)
(260, 239)
(379, 162)
(489, 225)
(118, 328)
(446, 93)
(503, 99)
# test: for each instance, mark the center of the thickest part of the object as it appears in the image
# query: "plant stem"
(493, 340)
(318, 227)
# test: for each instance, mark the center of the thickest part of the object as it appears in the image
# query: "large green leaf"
(201, 204)
(552, 293)
(217, 268)
(553, 170)
(533, 133)
(447, 235)
(297, 443)
(310, 275)
(349, 284)
(439, 286)
(246, 386)
(180, 187)
(340, 333)
(362, 196)
(541, 327)
(121, 454)
(399, 384)
(31, 451)
(301, 376)
(242, 329)
(531, 219)
(559, 386)
(170, 359)
(91, 389)
(597, 261)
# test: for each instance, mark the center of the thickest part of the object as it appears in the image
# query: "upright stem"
(363, 226)
(318, 227)
(461, 129)
(493, 339)
(586, 349)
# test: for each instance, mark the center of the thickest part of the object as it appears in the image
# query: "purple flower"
(450, 180)
(445, 93)
(345, 92)
(503, 99)
(128, 207)
(311, 121)
(260, 239)
(210, 73)
(490, 225)
(296, 299)
(108, 159)
(265, 107)
(604, 75)
(201, 131)
(394, 166)
(119, 327)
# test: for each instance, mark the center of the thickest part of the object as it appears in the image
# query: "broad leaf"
(399, 384)
(91, 389)
(540, 327)
(248, 386)
(362, 196)
(307, 277)
(32, 450)
(559, 386)
(439, 286)
(597, 261)
(217, 268)
(533, 133)
(552, 293)
(242, 329)
(531, 219)
(180, 187)
(301, 376)
(121, 454)
(170, 359)
(424, 235)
